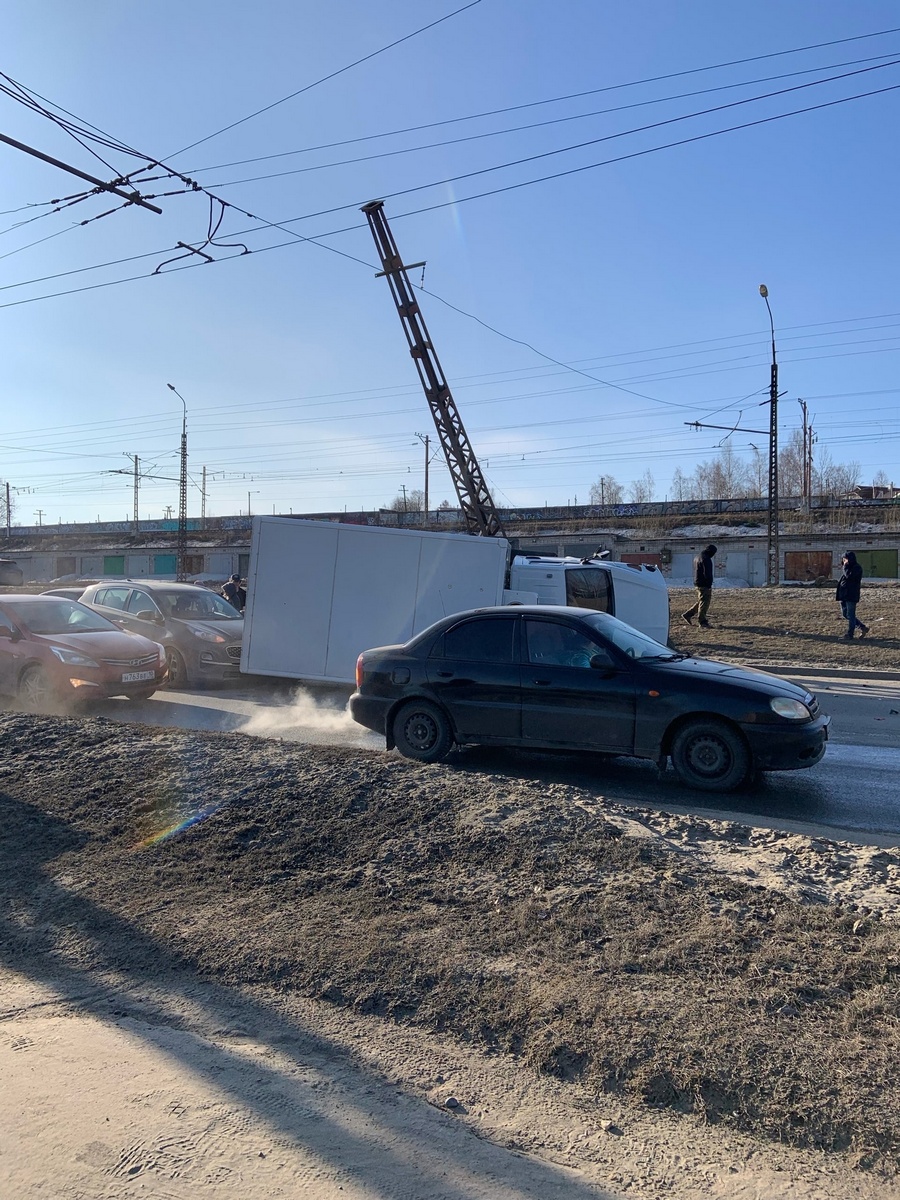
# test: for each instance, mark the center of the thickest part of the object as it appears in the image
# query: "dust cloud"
(308, 718)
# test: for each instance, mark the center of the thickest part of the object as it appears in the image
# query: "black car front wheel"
(710, 756)
(422, 732)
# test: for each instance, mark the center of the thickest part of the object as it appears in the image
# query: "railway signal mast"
(471, 489)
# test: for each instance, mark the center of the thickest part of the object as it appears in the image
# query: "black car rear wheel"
(710, 756)
(421, 731)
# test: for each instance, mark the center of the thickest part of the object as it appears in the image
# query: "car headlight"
(792, 709)
(72, 657)
(207, 635)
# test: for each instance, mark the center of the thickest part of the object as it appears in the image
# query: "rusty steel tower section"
(471, 489)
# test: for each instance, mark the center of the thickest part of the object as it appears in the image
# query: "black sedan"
(544, 677)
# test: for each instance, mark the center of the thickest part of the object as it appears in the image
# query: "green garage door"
(164, 564)
(878, 564)
(113, 564)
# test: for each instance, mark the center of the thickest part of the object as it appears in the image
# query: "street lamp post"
(773, 572)
(181, 548)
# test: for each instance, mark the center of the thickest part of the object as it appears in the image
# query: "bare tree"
(412, 500)
(640, 491)
(606, 491)
(790, 465)
(682, 487)
(834, 479)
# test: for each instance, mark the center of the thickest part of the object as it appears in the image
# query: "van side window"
(589, 587)
(488, 640)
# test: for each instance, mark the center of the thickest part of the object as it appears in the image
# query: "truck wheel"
(710, 756)
(177, 669)
(421, 731)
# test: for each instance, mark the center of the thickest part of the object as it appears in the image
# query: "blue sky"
(582, 321)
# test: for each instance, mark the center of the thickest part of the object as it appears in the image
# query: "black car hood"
(747, 677)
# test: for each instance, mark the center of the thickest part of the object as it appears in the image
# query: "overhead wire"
(537, 125)
(325, 78)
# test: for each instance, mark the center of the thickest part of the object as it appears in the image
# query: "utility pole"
(8, 513)
(181, 551)
(403, 489)
(773, 575)
(203, 501)
(471, 488)
(137, 491)
(425, 440)
(39, 514)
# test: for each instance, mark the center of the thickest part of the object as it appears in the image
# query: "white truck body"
(319, 592)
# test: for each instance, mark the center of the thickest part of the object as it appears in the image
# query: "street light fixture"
(773, 572)
(181, 550)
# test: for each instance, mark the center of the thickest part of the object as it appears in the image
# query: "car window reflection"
(551, 644)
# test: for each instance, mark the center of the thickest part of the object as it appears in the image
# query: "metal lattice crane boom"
(471, 489)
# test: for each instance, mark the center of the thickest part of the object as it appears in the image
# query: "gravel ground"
(645, 963)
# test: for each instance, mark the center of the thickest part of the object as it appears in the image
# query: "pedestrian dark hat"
(710, 549)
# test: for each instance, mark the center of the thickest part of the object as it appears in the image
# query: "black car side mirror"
(147, 614)
(12, 634)
(601, 661)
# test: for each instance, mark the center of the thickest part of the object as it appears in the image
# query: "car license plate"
(138, 676)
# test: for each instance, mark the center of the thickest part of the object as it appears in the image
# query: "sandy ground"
(128, 1072)
(189, 1095)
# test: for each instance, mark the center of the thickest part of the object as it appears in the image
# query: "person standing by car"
(703, 582)
(234, 593)
(848, 594)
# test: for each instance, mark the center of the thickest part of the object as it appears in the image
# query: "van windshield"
(588, 587)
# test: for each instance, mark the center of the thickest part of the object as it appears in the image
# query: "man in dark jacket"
(848, 593)
(703, 581)
(234, 593)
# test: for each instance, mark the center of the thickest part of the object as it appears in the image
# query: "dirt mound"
(520, 917)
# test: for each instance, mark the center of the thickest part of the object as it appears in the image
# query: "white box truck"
(320, 592)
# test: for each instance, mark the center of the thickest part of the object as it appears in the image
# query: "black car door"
(473, 671)
(566, 701)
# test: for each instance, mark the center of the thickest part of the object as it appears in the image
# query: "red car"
(53, 651)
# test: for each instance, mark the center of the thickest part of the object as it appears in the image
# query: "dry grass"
(792, 625)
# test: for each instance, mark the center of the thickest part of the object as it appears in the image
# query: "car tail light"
(359, 672)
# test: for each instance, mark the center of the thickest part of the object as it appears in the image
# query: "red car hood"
(106, 644)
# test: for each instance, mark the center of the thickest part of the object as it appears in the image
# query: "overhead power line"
(317, 238)
(325, 78)
(724, 87)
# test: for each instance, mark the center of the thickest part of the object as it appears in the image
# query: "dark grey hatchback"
(561, 678)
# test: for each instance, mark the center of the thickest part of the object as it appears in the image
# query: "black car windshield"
(58, 615)
(629, 641)
(199, 605)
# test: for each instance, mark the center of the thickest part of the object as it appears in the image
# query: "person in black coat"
(848, 593)
(703, 581)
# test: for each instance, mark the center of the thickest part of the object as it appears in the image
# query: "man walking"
(848, 594)
(703, 582)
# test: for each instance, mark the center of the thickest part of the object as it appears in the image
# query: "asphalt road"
(852, 794)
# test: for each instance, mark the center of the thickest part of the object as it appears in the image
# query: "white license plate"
(138, 676)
